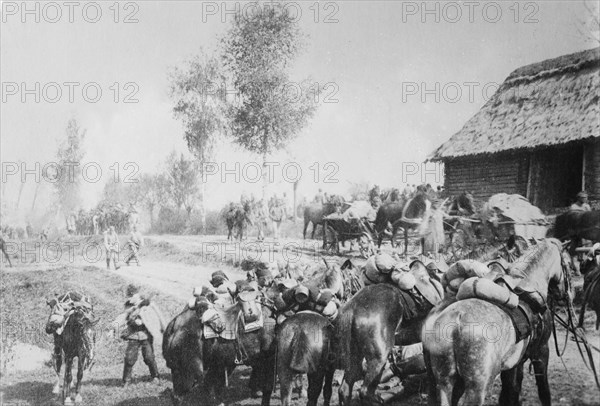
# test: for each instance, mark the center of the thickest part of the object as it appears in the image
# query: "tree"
(270, 109)
(200, 104)
(68, 171)
(182, 181)
(151, 190)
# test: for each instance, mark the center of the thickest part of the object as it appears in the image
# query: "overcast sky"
(394, 74)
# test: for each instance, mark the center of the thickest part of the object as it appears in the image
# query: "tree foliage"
(269, 109)
(182, 181)
(68, 172)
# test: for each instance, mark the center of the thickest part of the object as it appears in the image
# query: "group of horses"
(462, 361)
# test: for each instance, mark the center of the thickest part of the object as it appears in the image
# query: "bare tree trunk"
(203, 207)
(37, 188)
(265, 177)
(20, 193)
(294, 211)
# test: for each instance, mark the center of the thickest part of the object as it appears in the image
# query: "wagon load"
(357, 210)
(513, 215)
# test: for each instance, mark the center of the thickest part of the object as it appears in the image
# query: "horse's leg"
(67, 381)
(458, 391)
(315, 385)
(286, 377)
(327, 387)
(80, 363)
(509, 393)
(541, 375)
(57, 356)
(372, 377)
(305, 228)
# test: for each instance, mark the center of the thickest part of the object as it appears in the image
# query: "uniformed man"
(581, 204)
(135, 242)
(111, 244)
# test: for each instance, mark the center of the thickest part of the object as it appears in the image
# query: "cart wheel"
(366, 245)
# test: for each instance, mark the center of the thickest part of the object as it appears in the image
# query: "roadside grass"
(24, 312)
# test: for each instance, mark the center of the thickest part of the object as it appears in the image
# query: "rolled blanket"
(481, 288)
(462, 270)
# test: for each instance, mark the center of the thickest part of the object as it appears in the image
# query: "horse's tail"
(300, 357)
(345, 325)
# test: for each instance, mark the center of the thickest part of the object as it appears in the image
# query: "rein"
(569, 325)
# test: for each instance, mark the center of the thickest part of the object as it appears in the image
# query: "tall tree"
(182, 180)
(68, 172)
(270, 109)
(198, 91)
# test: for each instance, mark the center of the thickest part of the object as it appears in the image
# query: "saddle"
(229, 320)
(427, 286)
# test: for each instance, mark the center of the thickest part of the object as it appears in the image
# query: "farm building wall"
(592, 171)
(485, 176)
(549, 177)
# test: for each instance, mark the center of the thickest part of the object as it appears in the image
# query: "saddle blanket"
(231, 323)
(522, 318)
(413, 308)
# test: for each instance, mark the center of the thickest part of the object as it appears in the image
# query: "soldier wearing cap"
(581, 204)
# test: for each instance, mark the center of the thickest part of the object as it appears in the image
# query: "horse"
(212, 360)
(367, 328)
(237, 217)
(78, 339)
(182, 344)
(388, 213)
(342, 280)
(314, 213)
(464, 362)
(590, 268)
(304, 346)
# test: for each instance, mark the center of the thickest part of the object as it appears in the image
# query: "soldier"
(581, 204)
(276, 213)
(143, 322)
(136, 241)
(111, 244)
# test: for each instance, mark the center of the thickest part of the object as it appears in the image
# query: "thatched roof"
(547, 103)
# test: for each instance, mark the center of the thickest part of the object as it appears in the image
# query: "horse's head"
(57, 316)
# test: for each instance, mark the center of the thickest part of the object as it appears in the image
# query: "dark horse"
(575, 225)
(315, 212)
(464, 356)
(590, 267)
(238, 217)
(194, 358)
(76, 340)
(304, 346)
(388, 214)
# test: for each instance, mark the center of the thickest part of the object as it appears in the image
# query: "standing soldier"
(111, 244)
(136, 241)
(261, 219)
(581, 204)
(142, 324)
(276, 214)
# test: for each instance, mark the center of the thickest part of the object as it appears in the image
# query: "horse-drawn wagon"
(355, 224)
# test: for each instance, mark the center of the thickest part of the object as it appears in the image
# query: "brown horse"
(304, 346)
(76, 341)
(469, 343)
(214, 359)
(315, 212)
(590, 267)
(575, 225)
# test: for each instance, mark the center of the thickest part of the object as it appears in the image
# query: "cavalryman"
(581, 204)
